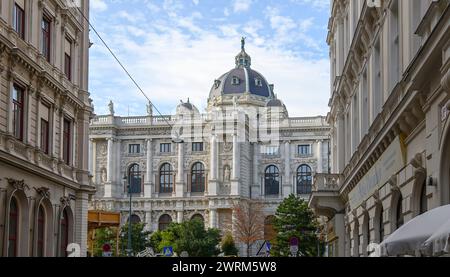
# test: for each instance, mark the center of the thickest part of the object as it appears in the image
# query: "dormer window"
(235, 81)
(217, 84)
(258, 82)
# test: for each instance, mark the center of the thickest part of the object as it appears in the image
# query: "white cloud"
(178, 58)
(319, 4)
(99, 5)
(241, 5)
(196, 2)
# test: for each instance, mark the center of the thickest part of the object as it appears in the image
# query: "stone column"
(287, 186)
(148, 187)
(91, 153)
(236, 158)
(319, 157)
(213, 218)
(213, 152)
(256, 179)
(110, 168)
(117, 176)
(94, 160)
(80, 224)
(109, 161)
(179, 216)
(75, 142)
(340, 143)
(180, 174)
(213, 189)
(235, 186)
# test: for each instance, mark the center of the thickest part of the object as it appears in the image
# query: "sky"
(175, 49)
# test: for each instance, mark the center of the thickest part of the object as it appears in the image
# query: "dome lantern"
(243, 60)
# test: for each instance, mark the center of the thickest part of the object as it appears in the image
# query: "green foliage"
(189, 236)
(228, 246)
(140, 239)
(104, 236)
(295, 219)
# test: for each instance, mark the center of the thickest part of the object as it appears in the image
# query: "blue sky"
(175, 49)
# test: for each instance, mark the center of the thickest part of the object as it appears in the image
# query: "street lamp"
(129, 249)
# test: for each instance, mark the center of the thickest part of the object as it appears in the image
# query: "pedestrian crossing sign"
(168, 251)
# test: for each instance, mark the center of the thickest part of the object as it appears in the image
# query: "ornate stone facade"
(233, 165)
(44, 113)
(389, 120)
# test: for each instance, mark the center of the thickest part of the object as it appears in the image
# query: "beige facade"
(390, 88)
(44, 122)
(219, 163)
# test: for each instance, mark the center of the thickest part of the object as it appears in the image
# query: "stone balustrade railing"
(326, 182)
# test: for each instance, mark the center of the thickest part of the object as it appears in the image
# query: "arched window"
(166, 178)
(198, 217)
(381, 224)
(64, 232)
(198, 178)
(272, 180)
(135, 219)
(304, 180)
(356, 240)
(399, 216)
(134, 179)
(423, 200)
(41, 232)
(13, 231)
(164, 222)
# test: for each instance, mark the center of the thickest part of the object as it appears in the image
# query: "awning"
(410, 238)
(439, 243)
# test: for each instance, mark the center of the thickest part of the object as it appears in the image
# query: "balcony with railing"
(325, 199)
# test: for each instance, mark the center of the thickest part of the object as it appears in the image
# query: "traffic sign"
(106, 247)
(106, 250)
(168, 251)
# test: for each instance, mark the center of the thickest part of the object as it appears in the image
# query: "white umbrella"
(409, 238)
(439, 242)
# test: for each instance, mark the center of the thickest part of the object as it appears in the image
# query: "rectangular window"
(197, 146)
(45, 135)
(46, 38)
(270, 150)
(67, 133)
(304, 150)
(19, 20)
(18, 111)
(395, 45)
(134, 148)
(165, 148)
(377, 95)
(68, 59)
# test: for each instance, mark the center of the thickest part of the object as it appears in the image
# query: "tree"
(189, 236)
(140, 239)
(295, 219)
(248, 223)
(228, 246)
(104, 236)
